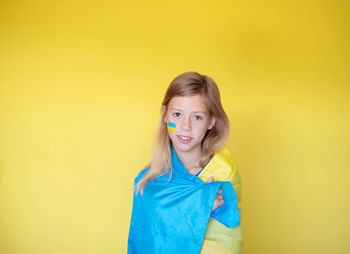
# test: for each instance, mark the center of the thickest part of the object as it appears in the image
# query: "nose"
(186, 124)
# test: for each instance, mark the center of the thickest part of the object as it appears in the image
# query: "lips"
(184, 139)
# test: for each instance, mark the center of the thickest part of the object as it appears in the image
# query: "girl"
(191, 190)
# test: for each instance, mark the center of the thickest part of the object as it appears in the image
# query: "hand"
(219, 199)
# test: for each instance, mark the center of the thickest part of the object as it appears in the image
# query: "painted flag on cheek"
(171, 126)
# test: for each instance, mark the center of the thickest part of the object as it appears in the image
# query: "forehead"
(188, 103)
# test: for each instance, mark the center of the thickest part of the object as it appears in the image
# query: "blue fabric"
(199, 172)
(171, 217)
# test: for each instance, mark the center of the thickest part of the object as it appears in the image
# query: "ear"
(212, 122)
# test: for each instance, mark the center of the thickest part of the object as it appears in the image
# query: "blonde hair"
(187, 84)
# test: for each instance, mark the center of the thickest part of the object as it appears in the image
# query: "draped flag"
(172, 215)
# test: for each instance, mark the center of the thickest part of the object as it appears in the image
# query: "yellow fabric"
(218, 238)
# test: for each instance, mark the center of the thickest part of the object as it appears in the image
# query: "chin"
(184, 147)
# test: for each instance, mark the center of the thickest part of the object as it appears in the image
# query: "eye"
(198, 117)
(176, 114)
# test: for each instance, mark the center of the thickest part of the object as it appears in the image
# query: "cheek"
(171, 126)
(201, 128)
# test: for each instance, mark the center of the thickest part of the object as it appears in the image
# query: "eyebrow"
(192, 111)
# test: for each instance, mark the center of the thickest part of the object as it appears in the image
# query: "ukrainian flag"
(171, 126)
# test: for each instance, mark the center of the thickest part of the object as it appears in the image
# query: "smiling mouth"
(184, 139)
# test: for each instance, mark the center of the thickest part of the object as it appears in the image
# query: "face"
(191, 119)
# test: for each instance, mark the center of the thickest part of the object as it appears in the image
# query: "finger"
(220, 190)
(220, 197)
(217, 203)
(210, 179)
(220, 202)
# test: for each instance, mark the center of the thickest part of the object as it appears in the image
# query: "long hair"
(187, 84)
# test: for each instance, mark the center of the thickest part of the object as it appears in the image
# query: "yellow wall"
(80, 90)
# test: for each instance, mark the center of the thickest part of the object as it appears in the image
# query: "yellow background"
(81, 85)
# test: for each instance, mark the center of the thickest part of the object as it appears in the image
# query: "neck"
(190, 159)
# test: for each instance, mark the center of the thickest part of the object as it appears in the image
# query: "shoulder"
(142, 173)
(222, 166)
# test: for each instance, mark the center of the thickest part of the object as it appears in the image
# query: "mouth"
(184, 139)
